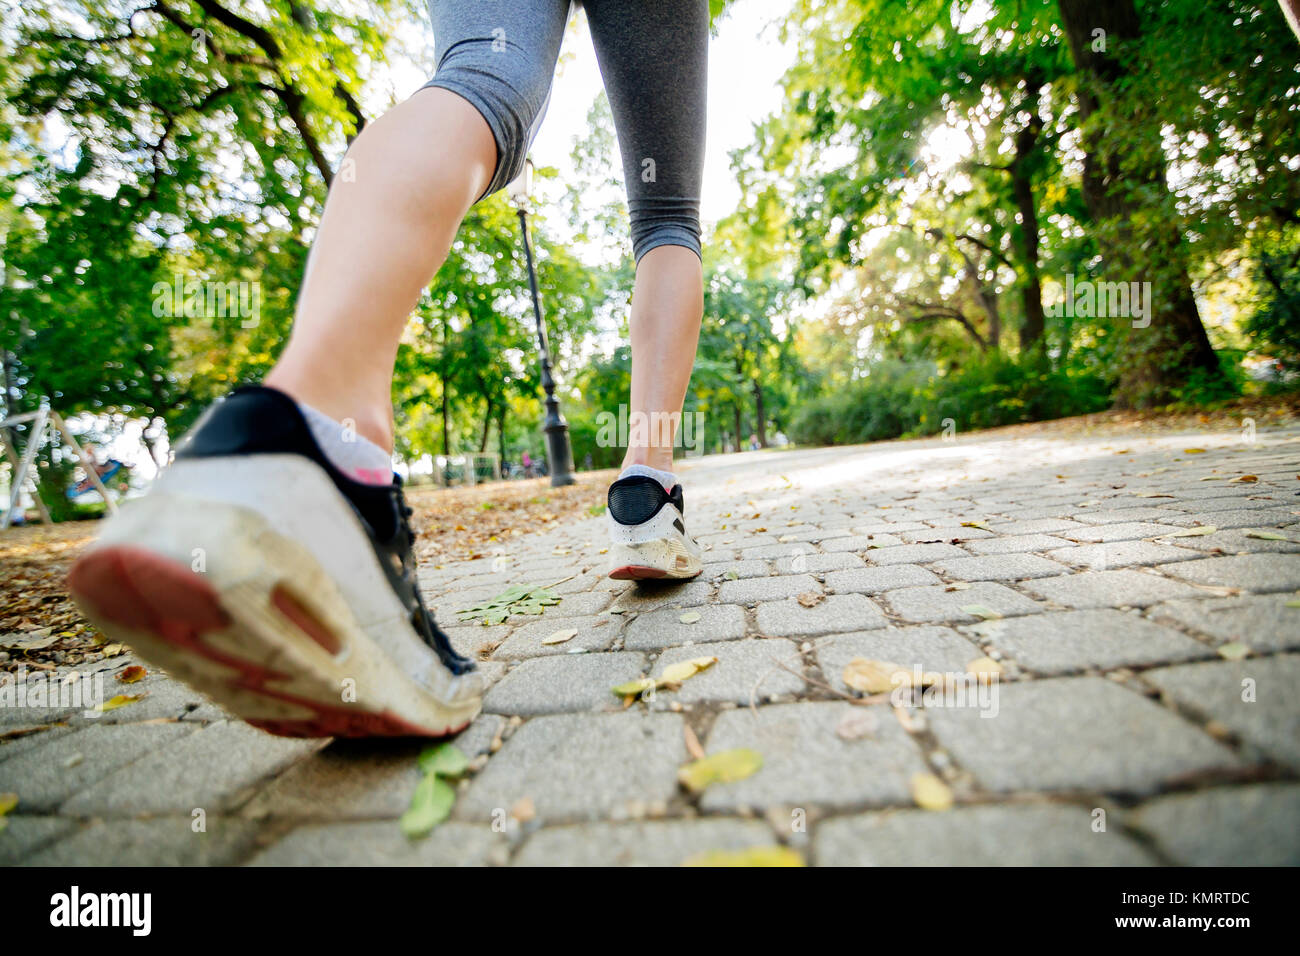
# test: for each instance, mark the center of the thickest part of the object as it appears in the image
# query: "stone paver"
(383, 844)
(806, 762)
(836, 612)
(664, 628)
(595, 633)
(1013, 835)
(1263, 622)
(1051, 553)
(930, 648)
(940, 604)
(757, 669)
(1085, 733)
(1079, 640)
(161, 841)
(880, 580)
(651, 843)
(210, 770)
(1121, 588)
(1254, 698)
(1206, 828)
(1251, 572)
(552, 685)
(580, 767)
(999, 567)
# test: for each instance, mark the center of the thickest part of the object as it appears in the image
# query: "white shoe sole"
(216, 596)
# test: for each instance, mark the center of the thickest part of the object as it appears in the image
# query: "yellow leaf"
(982, 612)
(727, 766)
(559, 637)
(1197, 532)
(112, 650)
(1193, 451)
(1248, 479)
(119, 700)
(1233, 651)
(975, 524)
(676, 673)
(634, 687)
(753, 856)
(690, 617)
(930, 793)
(984, 665)
(7, 802)
(872, 677)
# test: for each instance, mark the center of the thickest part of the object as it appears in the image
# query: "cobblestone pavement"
(1146, 712)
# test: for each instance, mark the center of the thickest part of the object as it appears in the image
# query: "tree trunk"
(760, 414)
(740, 443)
(1022, 188)
(487, 426)
(1174, 347)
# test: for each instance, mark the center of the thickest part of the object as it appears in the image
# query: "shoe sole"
(273, 644)
(653, 560)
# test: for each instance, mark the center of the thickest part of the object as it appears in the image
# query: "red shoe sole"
(137, 589)
(636, 572)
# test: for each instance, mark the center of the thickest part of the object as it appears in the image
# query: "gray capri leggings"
(500, 56)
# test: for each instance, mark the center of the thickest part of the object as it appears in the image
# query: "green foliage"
(903, 399)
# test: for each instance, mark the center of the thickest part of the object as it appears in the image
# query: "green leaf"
(430, 805)
(445, 759)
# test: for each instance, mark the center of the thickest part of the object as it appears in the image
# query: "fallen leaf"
(113, 650)
(871, 677)
(446, 760)
(975, 524)
(1248, 479)
(752, 856)
(634, 688)
(930, 793)
(984, 665)
(1193, 451)
(726, 766)
(682, 670)
(430, 805)
(1197, 532)
(810, 598)
(1233, 651)
(119, 700)
(559, 637)
(958, 586)
(1265, 535)
(690, 617)
(692, 743)
(982, 612)
(132, 674)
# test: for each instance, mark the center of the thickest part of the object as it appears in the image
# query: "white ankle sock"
(665, 478)
(358, 458)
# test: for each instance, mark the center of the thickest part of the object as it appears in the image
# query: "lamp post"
(558, 452)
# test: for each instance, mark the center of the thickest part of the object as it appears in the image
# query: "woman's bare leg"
(388, 224)
(667, 305)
